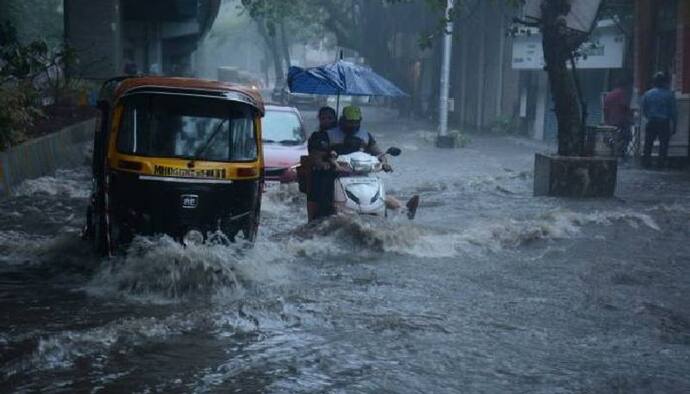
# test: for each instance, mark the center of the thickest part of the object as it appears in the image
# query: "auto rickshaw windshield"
(187, 127)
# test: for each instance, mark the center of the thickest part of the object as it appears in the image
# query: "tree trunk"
(558, 48)
(285, 44)
(272, 46)
(277, 61)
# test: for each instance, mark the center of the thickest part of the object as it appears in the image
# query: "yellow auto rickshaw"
(175, 156)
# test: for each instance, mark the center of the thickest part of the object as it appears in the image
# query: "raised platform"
(446, 141)
(44, 155)
(582, 177)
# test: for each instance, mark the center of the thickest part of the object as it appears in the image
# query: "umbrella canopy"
(341, 78)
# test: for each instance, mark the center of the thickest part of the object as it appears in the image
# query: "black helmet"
(660, 78)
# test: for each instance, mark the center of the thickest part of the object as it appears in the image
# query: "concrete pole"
(443, 139)
(481, 69)
(501, 62)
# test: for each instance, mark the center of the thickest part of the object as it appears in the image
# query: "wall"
(42, 156)
(483, 83)
(683, 46)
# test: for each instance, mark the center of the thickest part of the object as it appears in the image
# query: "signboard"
(604, 49)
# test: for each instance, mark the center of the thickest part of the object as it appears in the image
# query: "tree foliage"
(375, 29)
(35, 19)
(26, 71)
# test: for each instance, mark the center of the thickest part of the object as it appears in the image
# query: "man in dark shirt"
(659, 108)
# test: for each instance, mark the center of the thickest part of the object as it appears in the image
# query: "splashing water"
(362, 236)
(160, 268)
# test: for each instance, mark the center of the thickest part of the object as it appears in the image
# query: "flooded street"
(488, 290)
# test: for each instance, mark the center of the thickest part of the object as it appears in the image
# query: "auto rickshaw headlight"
(193, 237)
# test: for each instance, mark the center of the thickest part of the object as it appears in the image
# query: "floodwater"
(488, 290)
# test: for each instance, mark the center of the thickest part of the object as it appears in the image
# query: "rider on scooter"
(348, 137)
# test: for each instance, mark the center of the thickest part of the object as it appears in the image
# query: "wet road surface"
(489, 290)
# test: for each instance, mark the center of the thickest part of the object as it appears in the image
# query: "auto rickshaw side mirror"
(393, 151)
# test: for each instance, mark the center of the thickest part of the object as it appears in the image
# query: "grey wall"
(42, 156)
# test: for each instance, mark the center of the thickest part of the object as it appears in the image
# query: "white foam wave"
(674, 209)
(559, 224)
(20, 248)
(70, 183)
(342, 235)
(282, 199)
(60, 351)
(17, 247)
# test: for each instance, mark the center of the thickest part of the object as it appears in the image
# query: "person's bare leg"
(312, 210)
(412, 206)
(393, 203)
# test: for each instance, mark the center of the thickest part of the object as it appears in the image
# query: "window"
(283, 127)
(187, 127)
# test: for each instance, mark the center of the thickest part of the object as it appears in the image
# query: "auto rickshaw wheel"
(99, 230)
(250, 228)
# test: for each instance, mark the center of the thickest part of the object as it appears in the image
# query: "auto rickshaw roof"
(123, 86)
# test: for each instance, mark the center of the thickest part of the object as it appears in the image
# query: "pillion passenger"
(320, 173)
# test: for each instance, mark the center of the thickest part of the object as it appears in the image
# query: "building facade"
(484, 87)
(496, 83)
(153, 37)
(662, 43)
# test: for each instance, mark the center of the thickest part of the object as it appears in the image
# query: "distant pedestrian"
(617, 111)
(659, 108)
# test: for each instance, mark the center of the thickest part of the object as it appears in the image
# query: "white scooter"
(358, 188)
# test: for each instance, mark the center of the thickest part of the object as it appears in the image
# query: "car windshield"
(283, 127)
(187, 127)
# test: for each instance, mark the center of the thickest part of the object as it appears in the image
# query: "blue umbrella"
(341, 77)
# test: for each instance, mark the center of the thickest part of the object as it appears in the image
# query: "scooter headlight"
(351, 196)
(376, 196)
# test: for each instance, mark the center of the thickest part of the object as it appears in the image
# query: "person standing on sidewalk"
(617, 112)
(659, 108)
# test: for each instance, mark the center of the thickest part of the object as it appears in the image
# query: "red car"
(285, 140)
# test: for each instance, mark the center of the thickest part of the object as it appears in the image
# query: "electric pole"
(444, 140)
